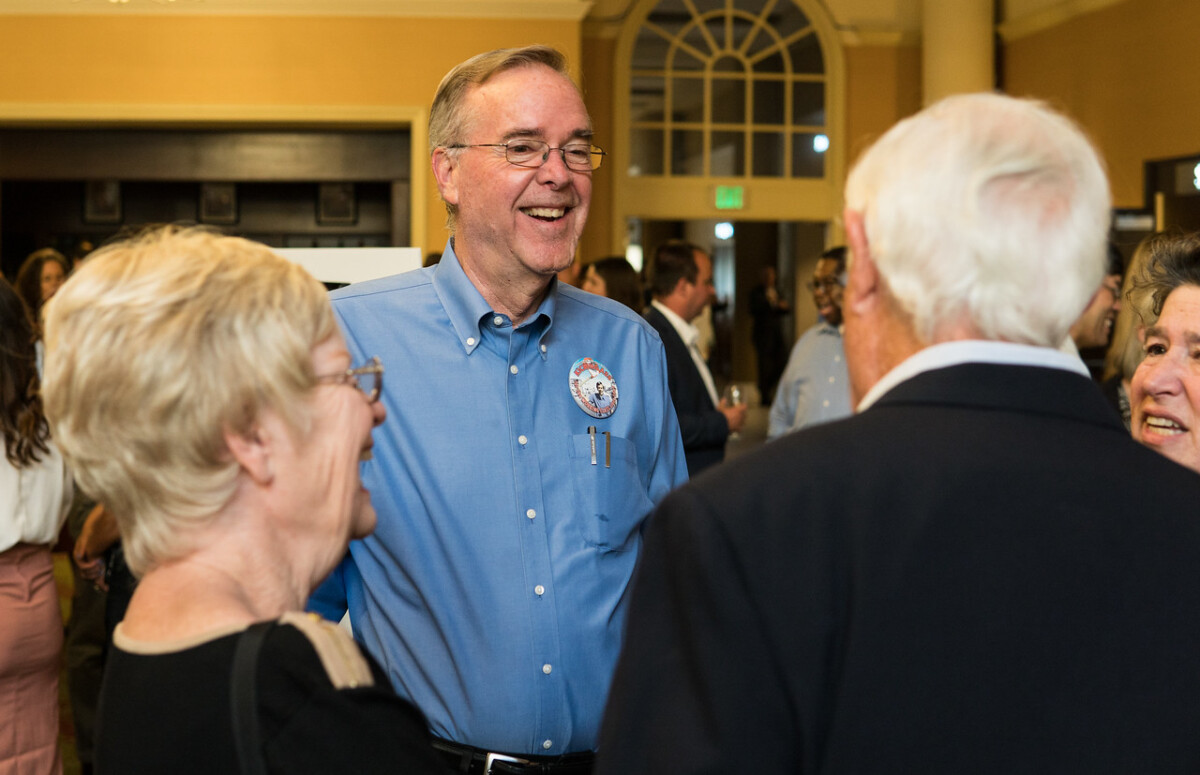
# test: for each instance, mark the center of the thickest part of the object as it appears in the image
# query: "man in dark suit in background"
(768, 309)
(979, 572)
(682, 285)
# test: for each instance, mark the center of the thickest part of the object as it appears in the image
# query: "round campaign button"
(593, 388)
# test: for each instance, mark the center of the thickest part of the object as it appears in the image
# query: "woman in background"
(203, 393)
(35, 492)
(615, 278)
(39, 278)
(1164, 394)
(1125, 349)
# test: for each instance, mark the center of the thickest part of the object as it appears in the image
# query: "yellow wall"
(294, 62)
(597, 78)
(883, 85)
(1124, 71)
(1127, 73)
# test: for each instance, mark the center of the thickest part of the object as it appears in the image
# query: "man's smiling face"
(512, 220)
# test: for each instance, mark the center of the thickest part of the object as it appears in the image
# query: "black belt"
(476, 761)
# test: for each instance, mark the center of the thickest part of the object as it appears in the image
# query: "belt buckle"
(492, 758)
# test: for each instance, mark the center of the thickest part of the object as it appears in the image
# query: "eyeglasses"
(368, 379)
(825, 283)
(579, 157)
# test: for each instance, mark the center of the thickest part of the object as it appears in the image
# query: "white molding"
(1014, 29)
(556, 10)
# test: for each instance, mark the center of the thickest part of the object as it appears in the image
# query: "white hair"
(988, 211)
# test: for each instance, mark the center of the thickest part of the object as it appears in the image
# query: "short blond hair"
(157, 346)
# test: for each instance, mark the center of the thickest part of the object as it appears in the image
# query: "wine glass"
(733, 397)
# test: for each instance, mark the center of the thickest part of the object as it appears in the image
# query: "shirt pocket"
(610, 500)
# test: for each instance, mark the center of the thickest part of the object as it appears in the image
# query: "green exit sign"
(730, 198)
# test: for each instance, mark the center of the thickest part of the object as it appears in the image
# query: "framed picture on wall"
(218, 203)
(102, 201)
(336, 205)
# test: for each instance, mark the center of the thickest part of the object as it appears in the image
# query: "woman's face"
(320, 470)
(593, 282)
(1165, 392)
(52, 279)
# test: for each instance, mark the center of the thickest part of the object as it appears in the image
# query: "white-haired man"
(947, 582)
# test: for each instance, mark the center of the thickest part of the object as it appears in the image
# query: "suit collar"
(1004, 387)
(945, 354)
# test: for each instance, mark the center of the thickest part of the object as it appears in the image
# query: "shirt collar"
(940, 356)
(466, 307)
(687, 332)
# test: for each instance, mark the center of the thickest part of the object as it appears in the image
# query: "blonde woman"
(202, 390)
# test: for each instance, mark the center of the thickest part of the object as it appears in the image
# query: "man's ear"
(680, 286)
(862, 283)
(445, 171)
(252, 450)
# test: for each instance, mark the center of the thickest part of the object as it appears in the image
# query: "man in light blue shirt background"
(510, 500)
(815, 387)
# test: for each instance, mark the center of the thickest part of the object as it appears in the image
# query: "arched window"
(727, 88)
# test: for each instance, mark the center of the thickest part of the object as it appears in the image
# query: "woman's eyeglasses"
(368, 379)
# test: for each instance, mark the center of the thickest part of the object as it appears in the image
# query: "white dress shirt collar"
(691, 339)
(939, 356)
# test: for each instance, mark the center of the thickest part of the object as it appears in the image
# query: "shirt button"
(831, 380)
(522, 440)
(548, 744)
(531, 513)
(837, 359)
(470, 341)
(825, 404)
(498, 320)
(539, 590)
(544, 350)
(513, 369)
(546, 668)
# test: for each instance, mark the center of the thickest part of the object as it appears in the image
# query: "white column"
(957, 47)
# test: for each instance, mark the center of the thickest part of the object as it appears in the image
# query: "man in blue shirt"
(815, 386)
(510, 498)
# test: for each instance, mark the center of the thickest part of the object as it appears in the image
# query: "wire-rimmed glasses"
(825, 283)
(368, 379)
(579, 157)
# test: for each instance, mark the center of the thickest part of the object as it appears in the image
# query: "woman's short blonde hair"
(157, 346)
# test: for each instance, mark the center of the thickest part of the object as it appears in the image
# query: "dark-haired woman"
(41, 275)
(615, 278)
(35, 492)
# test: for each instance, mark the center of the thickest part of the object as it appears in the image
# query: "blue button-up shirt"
(494, 587)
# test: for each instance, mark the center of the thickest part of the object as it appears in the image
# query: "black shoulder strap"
(243, 695)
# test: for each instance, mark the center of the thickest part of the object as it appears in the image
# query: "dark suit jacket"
(982, 573)
(704, 429)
